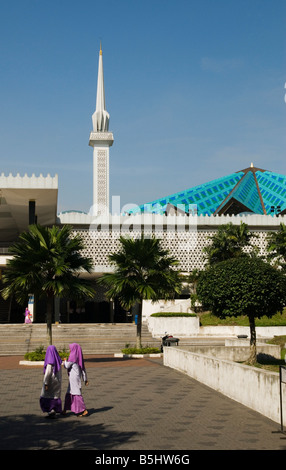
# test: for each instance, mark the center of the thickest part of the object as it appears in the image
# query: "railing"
(4, 250)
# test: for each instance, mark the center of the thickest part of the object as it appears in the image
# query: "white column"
(100, 139)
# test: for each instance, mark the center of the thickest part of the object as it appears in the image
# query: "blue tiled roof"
(273, 189)
(252, 190)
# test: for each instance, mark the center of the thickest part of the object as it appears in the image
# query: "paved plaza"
(134, 404)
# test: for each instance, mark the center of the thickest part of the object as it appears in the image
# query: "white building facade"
(26, 200)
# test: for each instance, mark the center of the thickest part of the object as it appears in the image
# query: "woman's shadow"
(92, 411)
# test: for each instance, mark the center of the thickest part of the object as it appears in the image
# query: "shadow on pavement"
(31, 432)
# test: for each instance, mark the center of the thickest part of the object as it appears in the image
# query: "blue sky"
(194, 88)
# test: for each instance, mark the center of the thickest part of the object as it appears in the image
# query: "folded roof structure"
(251, 190)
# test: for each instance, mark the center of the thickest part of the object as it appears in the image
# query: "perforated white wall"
(185, 247)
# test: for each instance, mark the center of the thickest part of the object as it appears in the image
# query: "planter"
(31, 363)
(176, 326)
(138, 356)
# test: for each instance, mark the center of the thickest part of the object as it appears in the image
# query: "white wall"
(176, 305)
(4, 259)
(184, 236)
(235, 353)
(190, 327)
(228, 331)
(250, 386)
(176, 326)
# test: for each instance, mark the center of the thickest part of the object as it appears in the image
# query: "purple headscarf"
(76, 355)
(52, 357)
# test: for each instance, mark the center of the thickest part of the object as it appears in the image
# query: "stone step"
(106, 338)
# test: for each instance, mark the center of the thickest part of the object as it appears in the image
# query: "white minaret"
(100, 139)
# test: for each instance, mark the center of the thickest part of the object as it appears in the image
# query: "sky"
(195, 90)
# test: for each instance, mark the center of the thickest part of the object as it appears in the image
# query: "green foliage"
(46, 262)
(242, 286)
(276, 247)
(280, 340)
(40, 353)
(37, 355)
(142, 350)
(229, 241)
(143, 271)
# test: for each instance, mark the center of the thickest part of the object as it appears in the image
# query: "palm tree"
(229, 241)
(46, 262)
(193, 282)
(143, 271)
(276, 247)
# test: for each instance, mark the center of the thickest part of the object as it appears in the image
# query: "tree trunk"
(50, 309)
(253, 353)
(139, 326)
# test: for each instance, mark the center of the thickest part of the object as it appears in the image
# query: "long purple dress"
(50, 399)
(27, 316)
(76, 371)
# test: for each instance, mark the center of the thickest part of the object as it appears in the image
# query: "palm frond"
(143, 271)
(46, 260)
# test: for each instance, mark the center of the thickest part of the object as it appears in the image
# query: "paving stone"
(134, 404)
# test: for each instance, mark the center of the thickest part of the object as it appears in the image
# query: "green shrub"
(40, 353)
(143, 350)
(37, 355)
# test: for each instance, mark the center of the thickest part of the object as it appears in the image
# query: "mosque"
(184, 221)
(252, 190)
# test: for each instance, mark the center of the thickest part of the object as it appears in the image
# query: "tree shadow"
(267, 360)
(33, 432)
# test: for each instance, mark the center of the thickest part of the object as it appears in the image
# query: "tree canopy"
(143, 270)
(276, 247)
(46, 262)
(229, 241)
(242, 286)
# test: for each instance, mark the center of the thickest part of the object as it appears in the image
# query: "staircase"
(94, 338)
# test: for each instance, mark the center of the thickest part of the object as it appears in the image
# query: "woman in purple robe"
(76, 372)
(50, 399)
(28, 316)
